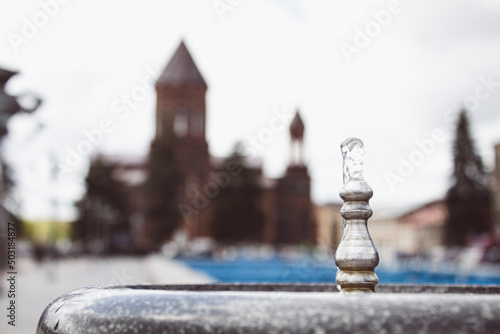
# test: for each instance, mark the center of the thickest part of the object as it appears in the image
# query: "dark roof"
(181, 70)
(422, 207)
(297, 127)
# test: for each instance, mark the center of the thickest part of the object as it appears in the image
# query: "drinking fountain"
(356, 304)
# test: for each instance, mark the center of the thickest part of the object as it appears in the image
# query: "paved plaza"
(38, 285)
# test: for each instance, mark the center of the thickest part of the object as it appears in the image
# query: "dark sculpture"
(9, 105)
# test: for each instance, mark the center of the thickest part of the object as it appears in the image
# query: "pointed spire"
(297, 127)
(181, 70)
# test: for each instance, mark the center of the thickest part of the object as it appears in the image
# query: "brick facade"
(181, 117)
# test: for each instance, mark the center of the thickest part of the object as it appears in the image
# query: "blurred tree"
(162, 192)
(9, 106)
(469, 200)
(7, 181)
(103, 211)
(7, 199)
(238, 213)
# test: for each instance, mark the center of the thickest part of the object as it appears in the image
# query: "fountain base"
(264, 308)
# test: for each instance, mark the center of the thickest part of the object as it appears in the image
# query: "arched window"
(196, 124)
(181, 123)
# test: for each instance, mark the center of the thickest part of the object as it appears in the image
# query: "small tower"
(297, 141)
(180, 108)
(180, 112)
(496, 187)
(497, 164)
(295, 223)
(181, 119)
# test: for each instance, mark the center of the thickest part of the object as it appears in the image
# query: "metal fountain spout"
(356, 256)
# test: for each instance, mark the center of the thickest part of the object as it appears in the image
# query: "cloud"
(267, 55)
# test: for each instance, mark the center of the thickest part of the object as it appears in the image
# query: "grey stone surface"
(323, 287)
(194, 309)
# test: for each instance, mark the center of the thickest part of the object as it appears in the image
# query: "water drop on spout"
(353, 151)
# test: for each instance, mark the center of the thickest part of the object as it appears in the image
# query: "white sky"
(263, 55)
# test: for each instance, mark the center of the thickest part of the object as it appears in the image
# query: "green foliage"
(104, 209)
(162, 191)
(238, 214)
(469, 200)
(45, 232)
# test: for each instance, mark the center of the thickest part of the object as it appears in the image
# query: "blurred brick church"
(181, 111)
(289, 216)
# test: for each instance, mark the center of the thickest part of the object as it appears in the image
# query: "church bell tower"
(181, 119)
(295, 222)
